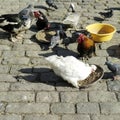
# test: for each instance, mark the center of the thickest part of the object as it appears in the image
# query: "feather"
(77, 71)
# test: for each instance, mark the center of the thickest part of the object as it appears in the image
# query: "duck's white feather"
(70, 68)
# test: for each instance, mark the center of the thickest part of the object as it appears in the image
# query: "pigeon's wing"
(117, 69)
(111, 67)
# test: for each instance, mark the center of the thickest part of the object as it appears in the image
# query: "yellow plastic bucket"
(101, 32)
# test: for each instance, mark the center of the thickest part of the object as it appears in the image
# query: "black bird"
(11, 23)
(114, 68)
(42, 21)
(51, 3)
(107, 14)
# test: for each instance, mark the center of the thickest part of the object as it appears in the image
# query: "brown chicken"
(86, 46)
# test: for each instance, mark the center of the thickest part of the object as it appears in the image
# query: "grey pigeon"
(114, 68)
(27, 16)
(55, 39)
(51, 3)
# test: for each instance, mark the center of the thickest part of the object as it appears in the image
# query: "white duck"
(70, 68)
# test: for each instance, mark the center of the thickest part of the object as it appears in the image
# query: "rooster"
(70, 68)
(42, 21)
(86, 46)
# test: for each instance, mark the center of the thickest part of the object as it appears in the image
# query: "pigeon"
(51, 3)
(114, 68)
(71, 7)
(27, 16)
(55, 39)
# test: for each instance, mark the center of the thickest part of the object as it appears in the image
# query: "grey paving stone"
(7, 78)
(50, 97)
(5, 47)
(114, 85)
(73, 97)
(105, 117)
(76, 117)
(11, 117)
(41, 117)
(102, 96)
(16, 61)
(4, 69)
(32, 86)
(4, 86)
(62, 108)
(17, 96)
(19, 108)
(88, 108)
(110, 108)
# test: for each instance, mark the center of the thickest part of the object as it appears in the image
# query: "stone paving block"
(7, 78)
(4, 86)
(41, 117)
(110, 108)
(9, 54)
(62, 108)
(40, 61)
(10, 117)
(16, 61)
(32, 86)
(23, 47)
(50, 97)
(17, 96)
(76, 117)
(114, 86)
(106, 117)
(88, 108)
(4, 69)
(102, 96)
(19, 108)
(73, 97)
(5, 47)
(97, 60)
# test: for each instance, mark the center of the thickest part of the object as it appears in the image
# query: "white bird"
(71, 7)
(70, 69)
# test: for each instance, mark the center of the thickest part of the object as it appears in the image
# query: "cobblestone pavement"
(29, 89)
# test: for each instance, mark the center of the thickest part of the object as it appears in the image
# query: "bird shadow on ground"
(99, 19)
(61, 52)
(114, 51)
(107, 75)
(4, 35)
(41, 7)
(41, 75)
(113, 8)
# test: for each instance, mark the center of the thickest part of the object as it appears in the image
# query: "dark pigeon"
(51, 3)
(114, 68)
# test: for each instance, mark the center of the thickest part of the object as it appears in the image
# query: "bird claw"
(13, 39)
